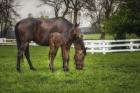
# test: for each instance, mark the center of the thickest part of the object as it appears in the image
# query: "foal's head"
(80, 50)
(80, 53)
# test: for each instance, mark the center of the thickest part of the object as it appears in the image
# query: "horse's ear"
(76, 25)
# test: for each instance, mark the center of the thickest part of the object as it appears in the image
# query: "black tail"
(18, 41)
(17, 36)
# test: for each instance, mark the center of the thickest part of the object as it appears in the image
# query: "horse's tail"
(17, 36)
(18, 41)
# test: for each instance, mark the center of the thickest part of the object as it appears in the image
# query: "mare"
(41, 31)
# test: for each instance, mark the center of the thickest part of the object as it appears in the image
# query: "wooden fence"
(97, 46)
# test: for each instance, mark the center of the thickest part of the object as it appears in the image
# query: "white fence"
(105, 46)
(96, 46)
(4, 41)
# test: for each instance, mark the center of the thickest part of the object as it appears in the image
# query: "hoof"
(18, 70)
(66, 69)
(52, 71)
(51, 68)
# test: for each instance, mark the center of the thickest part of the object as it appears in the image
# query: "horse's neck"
(68, 37)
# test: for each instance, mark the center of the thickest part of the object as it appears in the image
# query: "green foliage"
(126, 20)
(110, 73)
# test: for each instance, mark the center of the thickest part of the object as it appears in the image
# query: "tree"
(75, 6)
(94, 12)
(65, 6)
(100, 10)
(60, 6)
(7, 13)
(110, 7)
(126, 20)
(56, 4)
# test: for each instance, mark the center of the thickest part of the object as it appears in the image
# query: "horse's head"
(80, 53)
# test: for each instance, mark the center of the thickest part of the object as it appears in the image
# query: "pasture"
(97, 36)
(108, 36)
(110, 73)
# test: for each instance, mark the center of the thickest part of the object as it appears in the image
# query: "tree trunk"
(1, 30)
(75, 16)
(65, 12)
(56, 12)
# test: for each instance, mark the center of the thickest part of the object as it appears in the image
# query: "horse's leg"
(52, 54)
(27, 55)
(68, 49)
(65, 57)
(20, 56)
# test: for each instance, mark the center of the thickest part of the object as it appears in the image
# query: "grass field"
(107, 37)
(97, 36)
(110, 73)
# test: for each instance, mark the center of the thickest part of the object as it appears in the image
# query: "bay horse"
(40, 31)
(80, 53)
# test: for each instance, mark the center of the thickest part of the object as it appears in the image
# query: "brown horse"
(80, 52)
(41, 32)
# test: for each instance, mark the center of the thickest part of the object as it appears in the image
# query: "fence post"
(131, 46)
(92, 47)
(92, 50)
(4, 40)
(103, 47)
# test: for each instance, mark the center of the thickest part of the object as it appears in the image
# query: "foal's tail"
(18, 41)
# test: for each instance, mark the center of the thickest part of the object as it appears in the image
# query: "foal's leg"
(52, 54)
(20, 56)
(27, 55)
(65, 57)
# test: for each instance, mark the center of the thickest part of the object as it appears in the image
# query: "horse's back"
(38, 30)
(26, 27)
(52, 25)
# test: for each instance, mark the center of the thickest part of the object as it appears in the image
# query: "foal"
(80, 53)
(58, 40)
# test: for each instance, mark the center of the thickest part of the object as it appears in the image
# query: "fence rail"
(4, 41)
(97, 46)
(105, 46)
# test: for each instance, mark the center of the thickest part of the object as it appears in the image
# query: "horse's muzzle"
(79, 66)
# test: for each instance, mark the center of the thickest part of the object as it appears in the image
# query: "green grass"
(97, 36)
(110, 73)
(107, 37)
